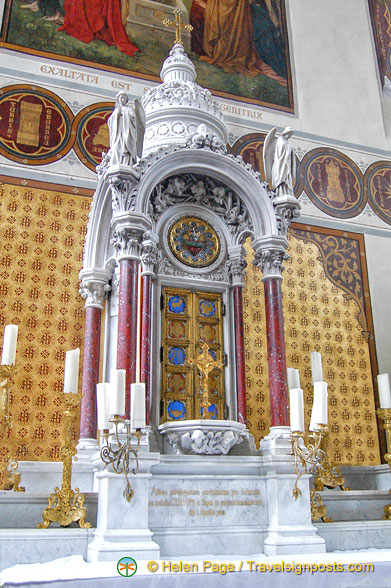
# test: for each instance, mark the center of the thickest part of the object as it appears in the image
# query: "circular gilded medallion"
(377, 182)
(35, 125)
(194, 242)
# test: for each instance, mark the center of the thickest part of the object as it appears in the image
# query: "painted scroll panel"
(239, 47)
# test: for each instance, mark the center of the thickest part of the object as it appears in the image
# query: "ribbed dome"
(175, 109)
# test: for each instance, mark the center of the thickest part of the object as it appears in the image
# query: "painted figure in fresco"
(279, 161)
(126, 128)
(267, 36)
(240, 36)
(50, 9)
(97, 19)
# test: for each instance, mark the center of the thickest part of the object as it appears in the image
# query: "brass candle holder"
(308, 454)
(328, 474)
(385, 415)
(120, 453)
(65, 504)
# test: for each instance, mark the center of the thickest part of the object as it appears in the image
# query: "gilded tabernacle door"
(190, 319)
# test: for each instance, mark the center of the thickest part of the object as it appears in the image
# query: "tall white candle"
(383, 383)
(117, 397)
(296, 403)
(316, 366)
(71, 376)
(293, 378)
(137, 406)
(103, 393)
(319, 415)
(9, 345)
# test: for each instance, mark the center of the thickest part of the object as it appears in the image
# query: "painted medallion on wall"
(35, 125)
(250, 147)
(381, 23)
(240, 48)
(92, 133)
(377, 182)
(333, 182)
(194, 242)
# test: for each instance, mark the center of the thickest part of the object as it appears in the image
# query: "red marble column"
(278, 387)
(146, 341)
(127, 323)
(239, 355)
(90, 375)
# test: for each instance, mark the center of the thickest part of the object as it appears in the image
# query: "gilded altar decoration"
(205, 364)
(333, 182)
(377, 185)
(323, 304)
(42, 237)
(11, 477)
(194, 242)
(35, 125)
(66, 506)
(92, 133)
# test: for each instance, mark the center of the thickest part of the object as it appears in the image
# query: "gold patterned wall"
(42, 236)
(319, 316)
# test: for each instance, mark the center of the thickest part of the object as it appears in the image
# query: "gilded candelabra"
(6, 374)
(66, 505)
(318, 509)
(328, 474)
(122, 452)
(205, 364)
(308, 455)
(385, 415)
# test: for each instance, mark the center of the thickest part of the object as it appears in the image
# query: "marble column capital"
(94, 287)
(287, 208)
(149, 254)
(236, 267)
(269, 254)
(123, 182)
(127, 234)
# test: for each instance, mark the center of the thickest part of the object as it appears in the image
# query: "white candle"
(319, 415)
(137, 406)
(316, 366)
(117, 397)
(293, 378)
(103, 393)
(383, 383)
(9, 345)
(71, 375)
(296, 403)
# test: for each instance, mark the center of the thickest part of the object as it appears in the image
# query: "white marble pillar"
(122, 527)
(290, 529)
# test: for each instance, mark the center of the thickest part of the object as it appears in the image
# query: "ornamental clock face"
(194, 242)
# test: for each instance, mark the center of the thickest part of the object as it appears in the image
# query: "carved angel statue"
(127, 128)
(279, 161)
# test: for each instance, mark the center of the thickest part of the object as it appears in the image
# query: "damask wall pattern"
(319, 316)
(42, 236)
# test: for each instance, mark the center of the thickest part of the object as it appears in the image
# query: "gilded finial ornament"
(178, 24)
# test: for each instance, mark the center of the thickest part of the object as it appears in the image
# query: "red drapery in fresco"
(97, 19)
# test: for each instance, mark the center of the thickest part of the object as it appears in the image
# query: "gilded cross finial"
(178, 24)
(205, 364)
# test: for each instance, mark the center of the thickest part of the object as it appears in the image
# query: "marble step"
(24, 509)
(355, 505)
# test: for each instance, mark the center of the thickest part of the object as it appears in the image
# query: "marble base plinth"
(23, 546)
(355, 535)
(355, 505)
(367, 477)
(45, 476)
(21, 510)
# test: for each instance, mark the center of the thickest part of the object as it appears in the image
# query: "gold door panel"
(190, 319)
